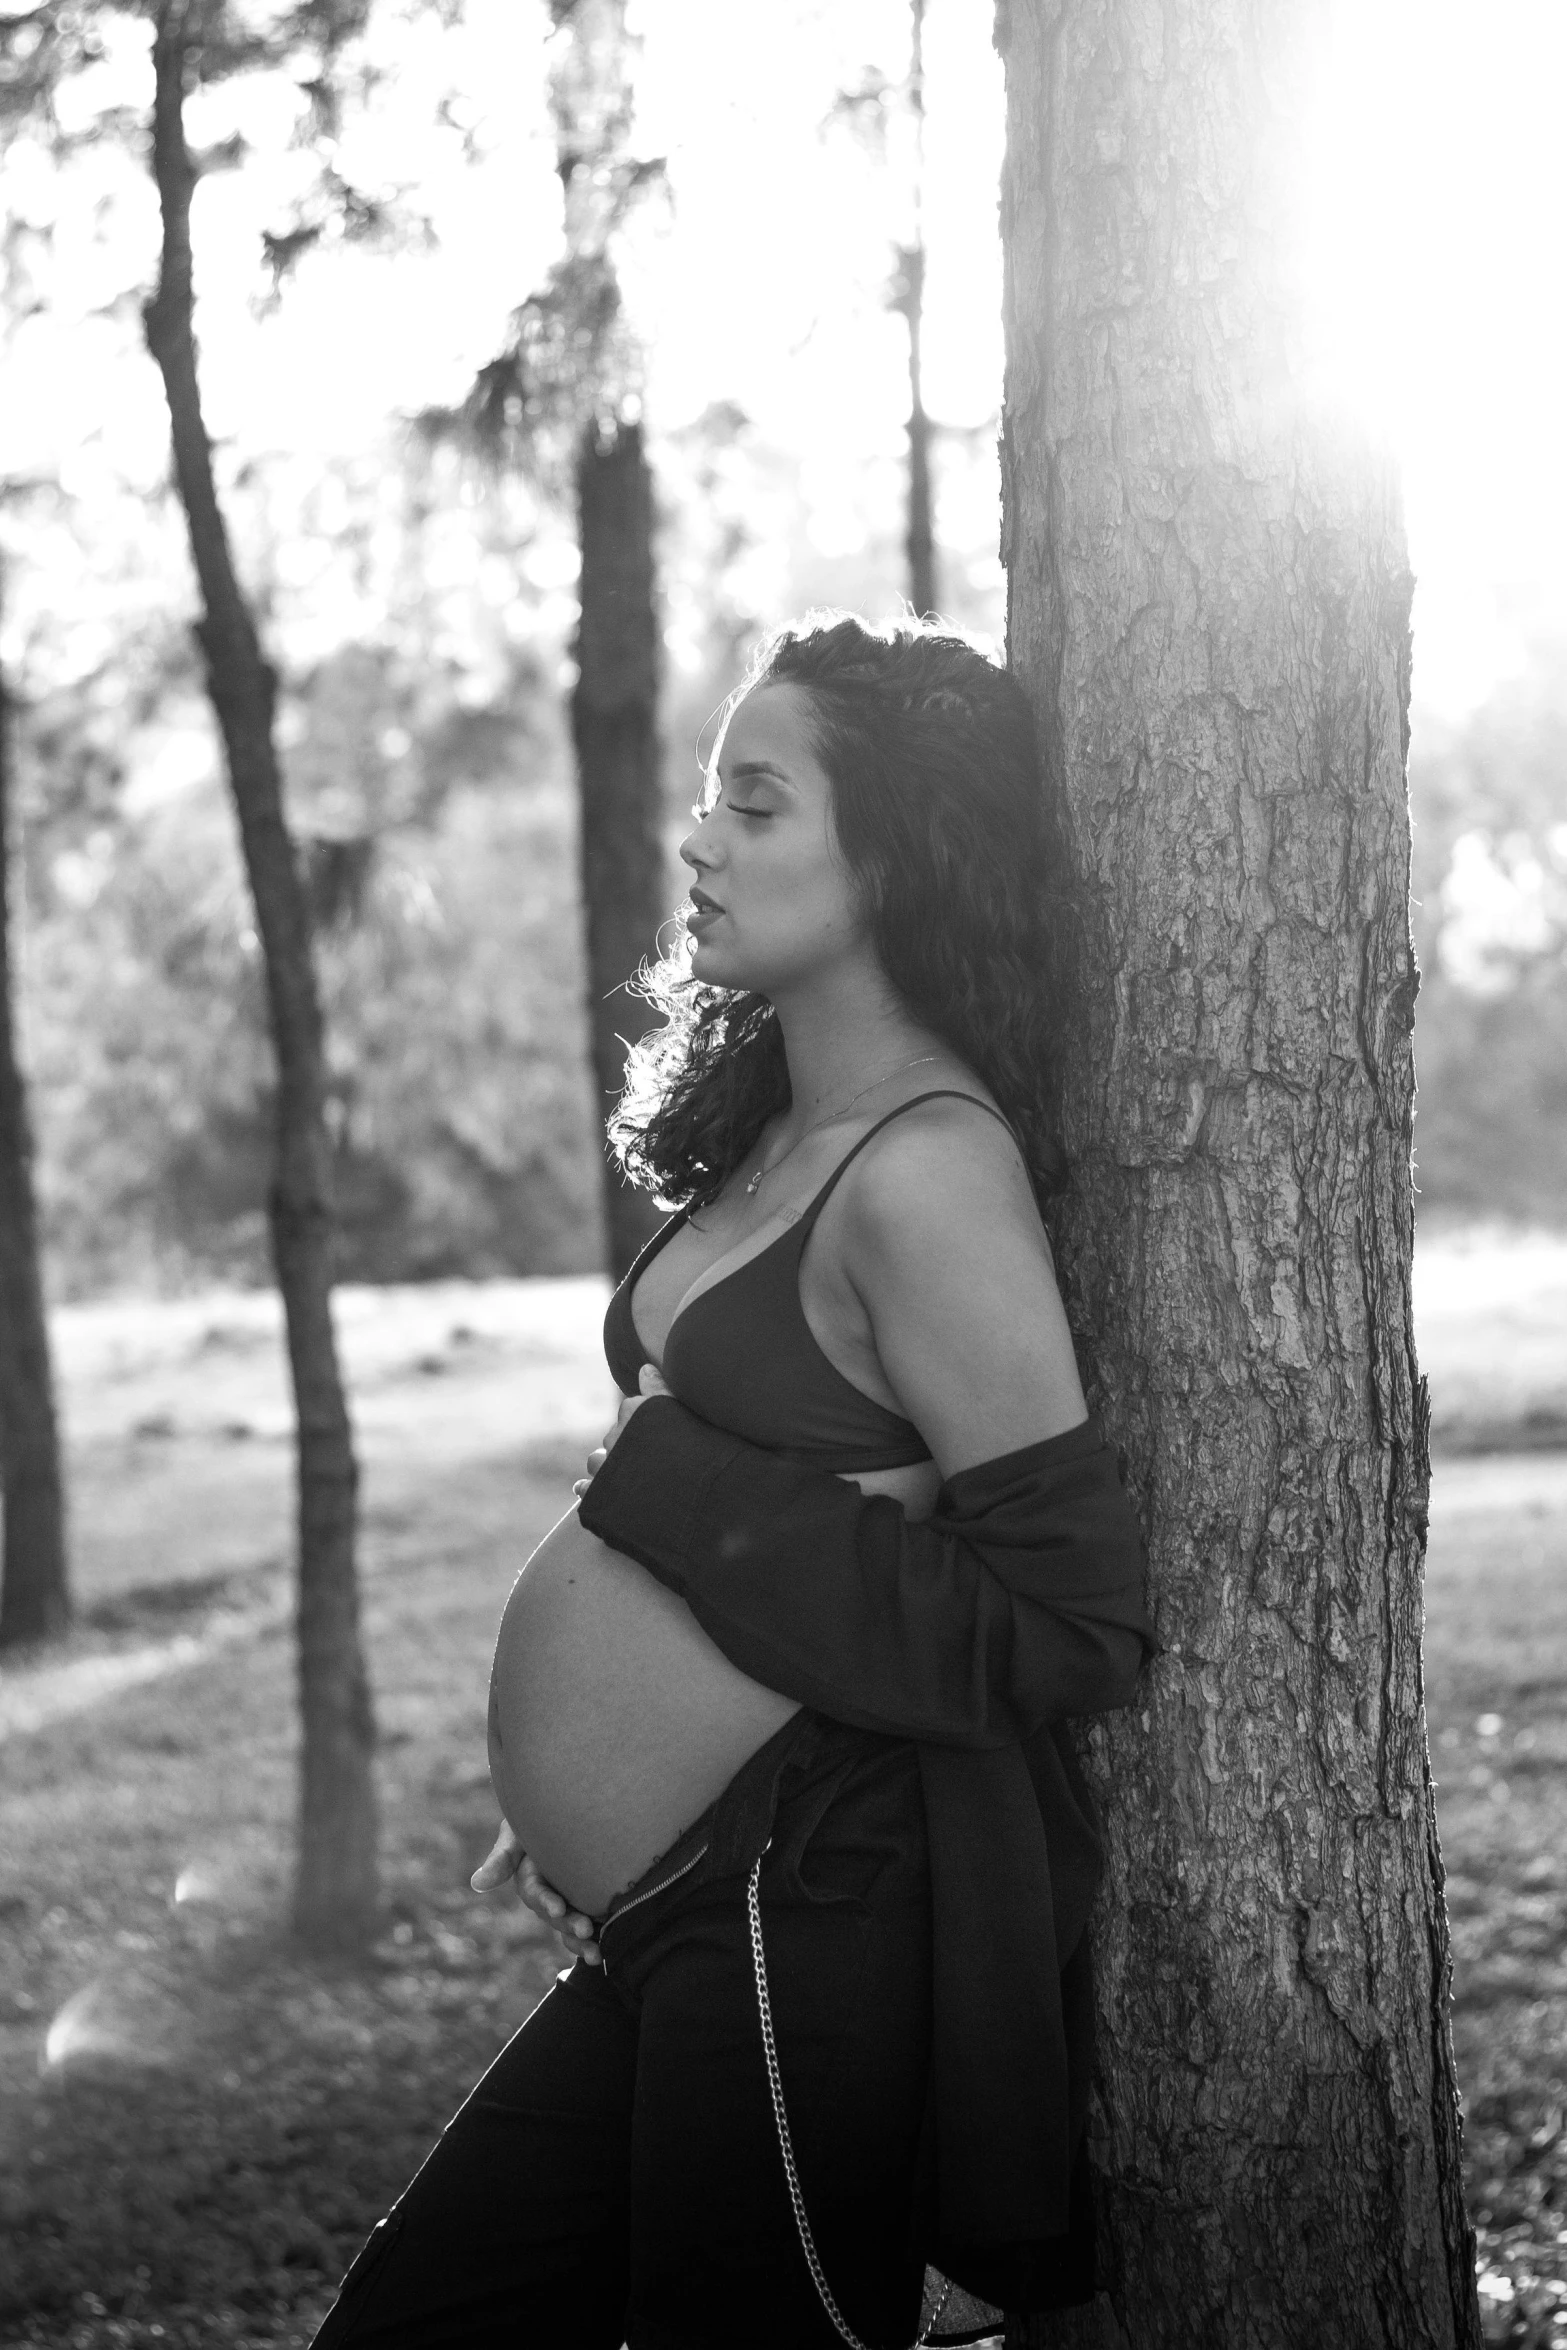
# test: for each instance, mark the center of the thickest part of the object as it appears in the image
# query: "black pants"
(616, 2176)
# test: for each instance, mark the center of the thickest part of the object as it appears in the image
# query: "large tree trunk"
(1209, 604)
(614, 722)
(35, 1601)
(335, 1880)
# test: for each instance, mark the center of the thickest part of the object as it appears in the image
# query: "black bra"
(742, 1355)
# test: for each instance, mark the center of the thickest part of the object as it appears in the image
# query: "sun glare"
(84, 2026)
(1433, 231)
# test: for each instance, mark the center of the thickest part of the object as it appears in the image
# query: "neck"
(840, 1037)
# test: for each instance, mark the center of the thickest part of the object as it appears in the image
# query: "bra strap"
(942, 1093)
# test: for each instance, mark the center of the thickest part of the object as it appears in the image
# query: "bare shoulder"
(943, 1245)
(944, 1169)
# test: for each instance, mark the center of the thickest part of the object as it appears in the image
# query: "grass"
(224, 2120)
(1496, 1672)
(228, 2119)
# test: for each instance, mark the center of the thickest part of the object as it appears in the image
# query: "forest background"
(420, 607)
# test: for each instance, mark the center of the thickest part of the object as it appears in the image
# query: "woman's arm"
(1017, 1603)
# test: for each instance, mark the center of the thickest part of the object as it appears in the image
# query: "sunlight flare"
(85, 2026)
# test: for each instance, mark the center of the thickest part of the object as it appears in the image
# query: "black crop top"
(743, 1357)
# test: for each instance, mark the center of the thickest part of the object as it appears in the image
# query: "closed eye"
(713, 799)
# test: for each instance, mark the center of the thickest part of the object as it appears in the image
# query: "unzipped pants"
(616, 2177)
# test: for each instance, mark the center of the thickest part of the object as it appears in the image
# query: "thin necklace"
(842, 1110)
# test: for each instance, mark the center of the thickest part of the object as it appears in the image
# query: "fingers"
(499, 1864)
(578, 1931)
(650, 1382)
(545, 1902)
(596, 1460)
(541, 1898)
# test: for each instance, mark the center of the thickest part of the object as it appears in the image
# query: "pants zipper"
(662, 1886)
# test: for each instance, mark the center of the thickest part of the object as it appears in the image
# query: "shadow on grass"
(224, 2120)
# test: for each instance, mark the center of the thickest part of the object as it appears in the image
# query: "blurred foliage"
(430, 783)
(428, 780)
(1490, 891)
(447, 946)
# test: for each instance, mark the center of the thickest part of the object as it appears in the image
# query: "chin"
(714, 968)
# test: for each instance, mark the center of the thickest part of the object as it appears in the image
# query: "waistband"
(736, 1829)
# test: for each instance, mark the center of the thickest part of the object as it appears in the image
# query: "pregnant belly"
(614, 1720)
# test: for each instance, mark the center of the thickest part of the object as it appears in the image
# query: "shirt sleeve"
(1020, 1601)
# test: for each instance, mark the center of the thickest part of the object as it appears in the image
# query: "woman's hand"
(649, 1382)
(505, 1860)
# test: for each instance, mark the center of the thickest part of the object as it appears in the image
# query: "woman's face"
(774, 903)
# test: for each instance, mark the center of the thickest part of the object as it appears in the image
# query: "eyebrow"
(747, 769)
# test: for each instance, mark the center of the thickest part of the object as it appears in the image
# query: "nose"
(698, 849)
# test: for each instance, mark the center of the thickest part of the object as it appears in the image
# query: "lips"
(703, 913)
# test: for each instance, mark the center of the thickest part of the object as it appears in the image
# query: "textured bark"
(614, 721)
(335, 1880)
(35, 1601)
(1209, 604)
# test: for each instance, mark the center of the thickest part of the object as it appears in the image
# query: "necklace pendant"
(755, 1185)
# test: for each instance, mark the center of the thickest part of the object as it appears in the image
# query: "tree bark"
(1209, 605)
(335, 1879)
(614, 723)
(35, 1600)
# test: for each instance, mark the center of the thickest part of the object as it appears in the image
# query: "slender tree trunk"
(35, 1601)
(920, 541)
(335, 1882)
(614, 722)
(1209, 603)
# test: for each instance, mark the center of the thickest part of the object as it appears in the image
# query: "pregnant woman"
(779, 1709)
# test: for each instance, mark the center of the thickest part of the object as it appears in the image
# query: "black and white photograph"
(783, 1175)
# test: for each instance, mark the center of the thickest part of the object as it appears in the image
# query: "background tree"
(35, 1601)
(909, 298)
(34, 1589)
(34, 1573)
(1209, 603)
(335, 1881)
(614, 725)
(872, 108)
(565, 396)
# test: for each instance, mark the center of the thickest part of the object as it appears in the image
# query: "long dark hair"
(929, 749)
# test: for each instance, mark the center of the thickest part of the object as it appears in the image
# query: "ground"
(197, 2126)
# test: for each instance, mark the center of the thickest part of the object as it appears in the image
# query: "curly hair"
(929, 750)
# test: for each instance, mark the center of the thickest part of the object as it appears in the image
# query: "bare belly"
(614, 1720)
